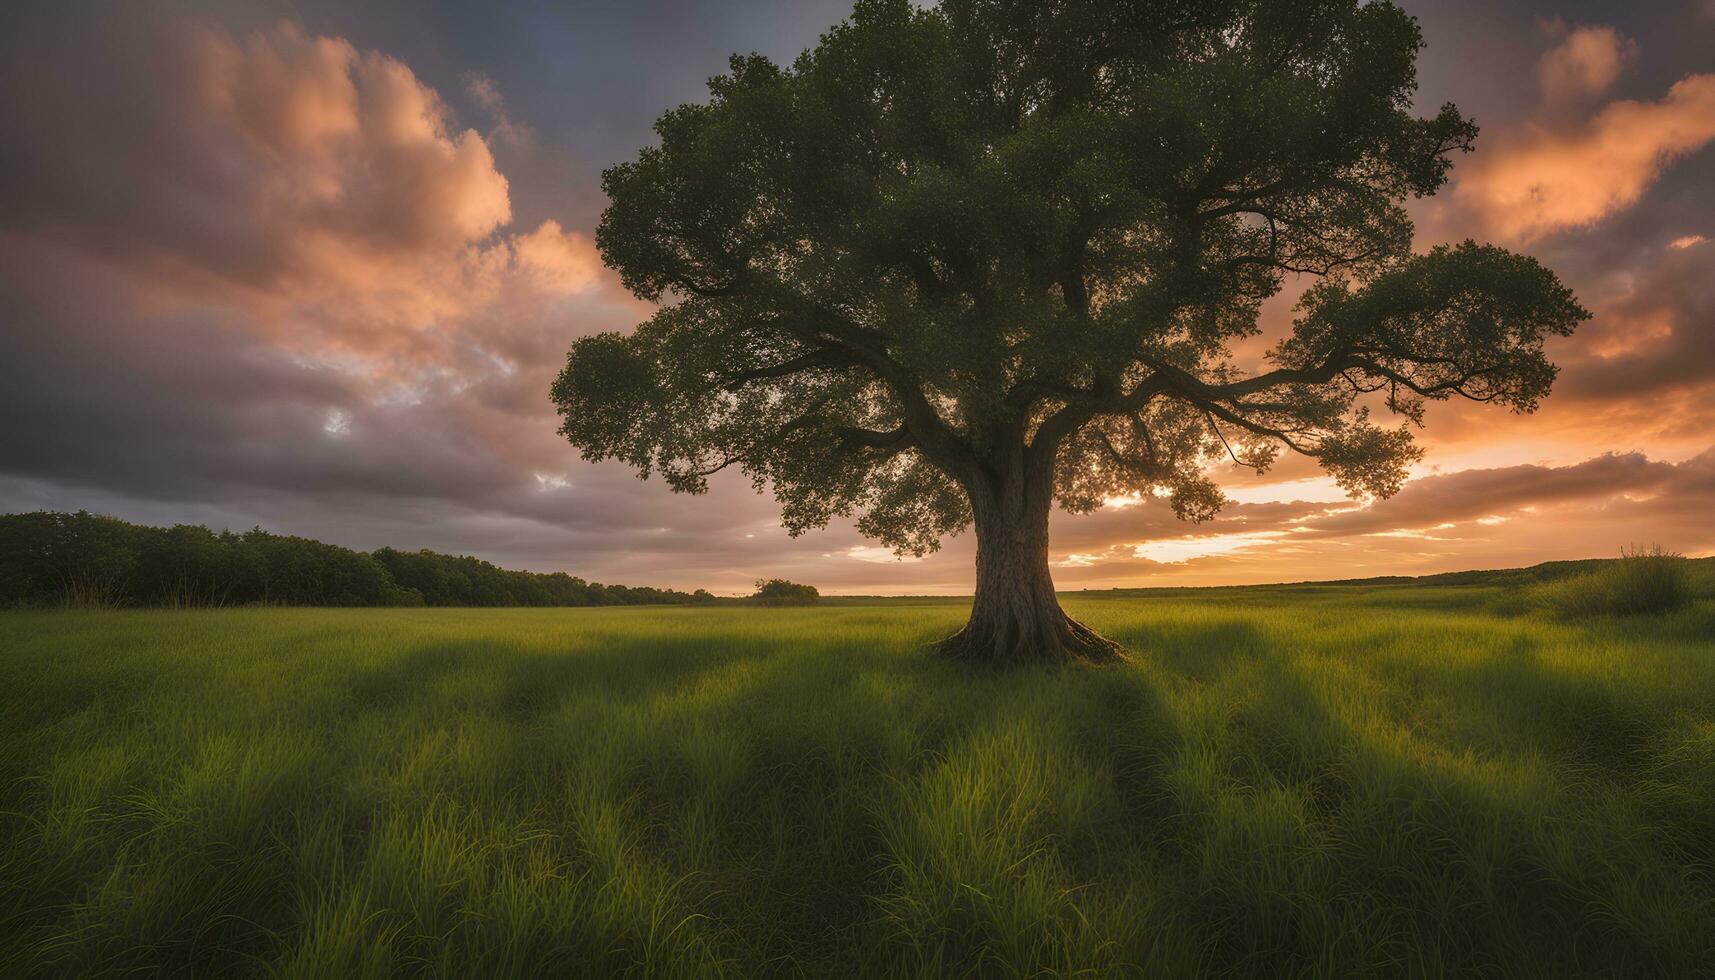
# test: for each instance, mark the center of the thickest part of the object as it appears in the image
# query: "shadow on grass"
(1514, 702)
(1199, 651)
(406, 676)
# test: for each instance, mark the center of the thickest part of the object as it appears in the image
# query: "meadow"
(1389, 780)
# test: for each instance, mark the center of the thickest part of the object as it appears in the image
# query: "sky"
(313, 265)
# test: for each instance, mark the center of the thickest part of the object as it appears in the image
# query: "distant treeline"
(87, 560)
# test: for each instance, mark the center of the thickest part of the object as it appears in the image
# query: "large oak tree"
(955, 265)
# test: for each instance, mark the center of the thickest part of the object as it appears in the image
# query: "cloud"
(1551, 176)
(320, 194)
(306, 294)
(344, 180)
(1571, 165)
(1473, 494)
(1655, 334)
(1584, 64)
(368, 212)
(1489, 517)
(1546, 179)
(485, 92)
(562, 261)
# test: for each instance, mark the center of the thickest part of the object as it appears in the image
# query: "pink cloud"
(1585, 64)
(357, 193)
(559, 260)
(345, 142)
(323, 199)
(1552, 176)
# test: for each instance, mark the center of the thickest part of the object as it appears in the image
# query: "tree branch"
(869, 347)
(822, 358)
(895, 439)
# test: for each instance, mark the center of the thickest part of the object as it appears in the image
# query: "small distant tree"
(955, 265)
(778, 590)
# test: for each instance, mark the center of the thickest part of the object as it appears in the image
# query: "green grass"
(1654, 581)
(1384, 780)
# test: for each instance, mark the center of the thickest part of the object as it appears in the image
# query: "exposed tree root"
(1010, 643)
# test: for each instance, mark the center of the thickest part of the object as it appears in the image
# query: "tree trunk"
(1015, 616)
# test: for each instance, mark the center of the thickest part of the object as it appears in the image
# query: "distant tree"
(189, 565)
(80, 560)
(304, 572)
(778, 590)
(956, 264)
(90, 561)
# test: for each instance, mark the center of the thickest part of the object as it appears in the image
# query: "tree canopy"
(995, 253)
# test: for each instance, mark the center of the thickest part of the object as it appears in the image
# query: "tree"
(781, 591)
(954, 265)
(79, 560)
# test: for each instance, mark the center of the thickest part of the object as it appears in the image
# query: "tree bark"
(1015, 616)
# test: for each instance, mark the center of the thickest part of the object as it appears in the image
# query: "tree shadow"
(1526, 704)
(1199, 651)
(403, 677)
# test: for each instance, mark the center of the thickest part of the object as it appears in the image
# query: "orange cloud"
(322, 198)
(288, 92)
(1655, 334)
(354, 188)
(559, 260)
(1548, 178)
(1583, 65)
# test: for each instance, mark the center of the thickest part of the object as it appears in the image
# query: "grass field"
(1388, 780)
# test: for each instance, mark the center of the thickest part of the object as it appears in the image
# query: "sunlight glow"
(877, 555)
(1177, 551)
(1415, 534)
(1315, 490)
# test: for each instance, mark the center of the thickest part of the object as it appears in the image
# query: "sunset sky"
(313, 265)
